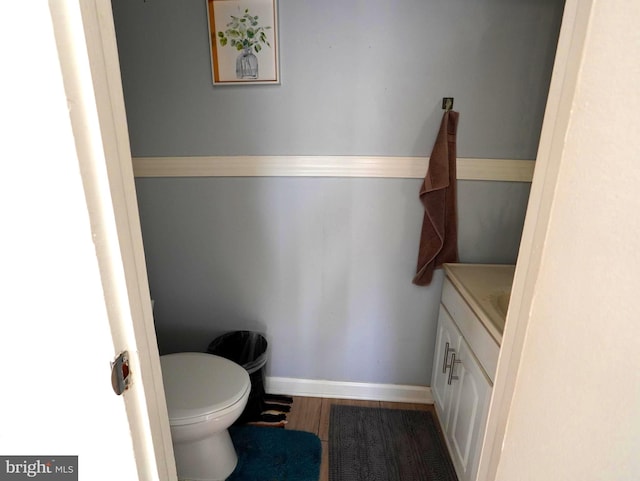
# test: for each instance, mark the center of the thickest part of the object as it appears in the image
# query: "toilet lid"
(198, 384)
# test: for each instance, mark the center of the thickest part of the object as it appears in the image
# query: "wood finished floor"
(312, 415)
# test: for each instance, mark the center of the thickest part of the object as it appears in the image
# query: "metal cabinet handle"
(454, 361)
(445, 364)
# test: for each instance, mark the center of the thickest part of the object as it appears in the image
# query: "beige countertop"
(486, 288)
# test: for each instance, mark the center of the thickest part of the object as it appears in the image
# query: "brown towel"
(439, 238)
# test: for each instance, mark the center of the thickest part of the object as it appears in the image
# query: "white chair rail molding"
(508, 170)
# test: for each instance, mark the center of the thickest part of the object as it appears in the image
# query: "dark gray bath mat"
(377, 444)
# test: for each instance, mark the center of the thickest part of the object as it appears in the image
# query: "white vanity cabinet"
(465, 359)
(447, 342)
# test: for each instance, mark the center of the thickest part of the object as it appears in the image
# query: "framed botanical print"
(244, 41)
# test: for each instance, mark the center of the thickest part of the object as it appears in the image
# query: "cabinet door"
(448, 340)
(470, 396)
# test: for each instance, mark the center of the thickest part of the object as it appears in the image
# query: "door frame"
(87, 50)
(111, 174)
(566, 71)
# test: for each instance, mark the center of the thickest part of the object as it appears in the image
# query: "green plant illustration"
(244, 33)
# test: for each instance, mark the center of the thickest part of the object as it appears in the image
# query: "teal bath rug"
(272, 454)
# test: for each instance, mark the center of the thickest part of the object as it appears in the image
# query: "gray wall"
(359, 77)
(324, 266)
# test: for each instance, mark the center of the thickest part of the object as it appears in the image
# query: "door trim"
(556, 120)
(97, 26)
(86, 43)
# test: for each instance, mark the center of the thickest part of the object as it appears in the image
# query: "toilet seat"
(200, 386)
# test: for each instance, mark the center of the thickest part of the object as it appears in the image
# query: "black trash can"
(249, 349)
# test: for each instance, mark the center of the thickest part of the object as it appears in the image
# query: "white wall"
(576, 405)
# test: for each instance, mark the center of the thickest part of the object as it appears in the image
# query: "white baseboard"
(349, 390)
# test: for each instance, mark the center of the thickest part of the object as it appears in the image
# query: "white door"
(74, 289)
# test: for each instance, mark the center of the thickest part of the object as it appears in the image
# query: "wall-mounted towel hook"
(447, 103)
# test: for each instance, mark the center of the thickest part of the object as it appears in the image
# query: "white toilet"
(205, 395)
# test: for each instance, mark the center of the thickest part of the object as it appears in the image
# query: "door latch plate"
(120, 374)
